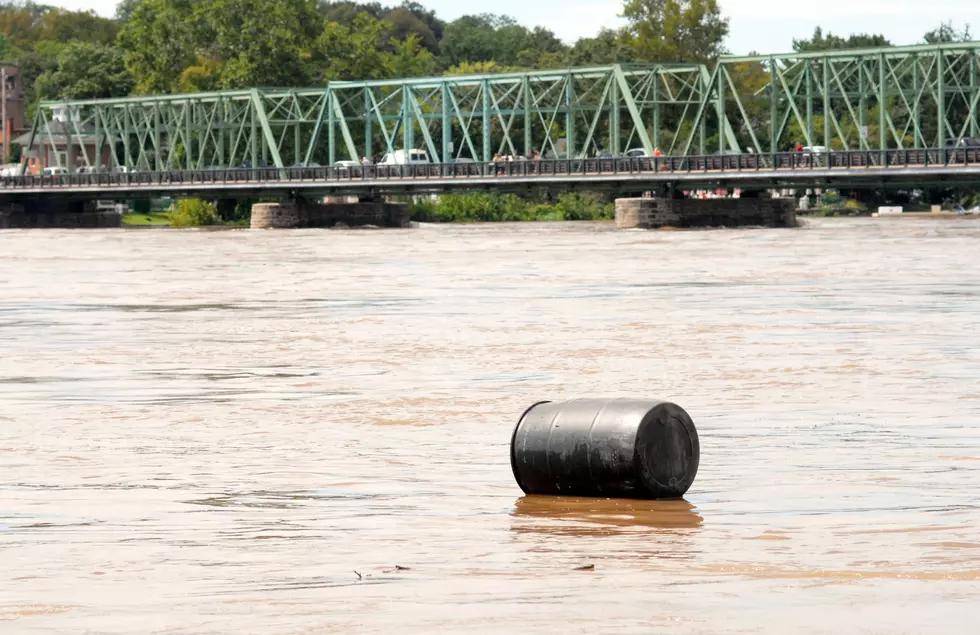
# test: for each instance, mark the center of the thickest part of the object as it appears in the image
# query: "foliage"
(344, 11)
(487, 37)
(477, 68)
(608, 47)
(86, 71)
(821, 42)
(158, 44)
(25, 25)
(405, 24)
(946, 33)
(258, 42)
(484, 207)
(354, 50)
(675, 30)
(193, 212)
(171, 44)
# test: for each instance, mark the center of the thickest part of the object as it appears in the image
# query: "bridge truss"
(875, 99)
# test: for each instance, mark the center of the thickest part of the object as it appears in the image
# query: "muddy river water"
(307, 431)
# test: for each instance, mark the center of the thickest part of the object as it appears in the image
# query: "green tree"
(193, 212)
(821, 42)
(405, 24)
(608, 47)
(125, 10)
(354, 51)
(158, 43)
(477, 68)
(427, 16)
(174, 44)
(345, 11)
(259, 42)
(675, 30)
(488, 37)
(946, 33)
(60, 25)
(86, 71)
(410, 59)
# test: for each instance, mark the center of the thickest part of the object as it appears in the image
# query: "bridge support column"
(653, 213)
(57, 214)
(296, 214)
(282, 215)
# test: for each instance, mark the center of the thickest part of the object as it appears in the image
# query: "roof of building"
(57, 133)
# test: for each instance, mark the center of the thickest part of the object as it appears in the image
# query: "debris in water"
(588, 567)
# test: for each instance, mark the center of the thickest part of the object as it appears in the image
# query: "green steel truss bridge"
(900, 114)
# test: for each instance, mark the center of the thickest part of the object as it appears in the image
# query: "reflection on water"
(552, 513)
(307, 431)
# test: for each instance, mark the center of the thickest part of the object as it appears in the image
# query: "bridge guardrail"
(525, 169)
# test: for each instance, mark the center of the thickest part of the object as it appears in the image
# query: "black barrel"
(616, 448)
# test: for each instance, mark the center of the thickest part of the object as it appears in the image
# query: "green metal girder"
(594, 109)
(870, 99)
(900, 97)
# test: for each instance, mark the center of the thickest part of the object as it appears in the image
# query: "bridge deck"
(749, 170)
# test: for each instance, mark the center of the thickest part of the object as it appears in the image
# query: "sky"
(764, 26)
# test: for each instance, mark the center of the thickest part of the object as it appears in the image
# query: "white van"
(398, 157)
(55, 171)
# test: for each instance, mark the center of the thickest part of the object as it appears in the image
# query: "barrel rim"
(687, 421)
(513, 439)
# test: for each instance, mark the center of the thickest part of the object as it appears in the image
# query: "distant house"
(62, 144)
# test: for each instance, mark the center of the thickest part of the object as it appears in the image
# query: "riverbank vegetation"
(482, 207)
(150, 219)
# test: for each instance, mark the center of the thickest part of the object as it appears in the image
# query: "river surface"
(307, 431)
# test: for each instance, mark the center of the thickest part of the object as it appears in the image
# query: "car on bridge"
(965, 142)
(406, 157)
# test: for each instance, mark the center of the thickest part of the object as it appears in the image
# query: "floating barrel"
(615, 448)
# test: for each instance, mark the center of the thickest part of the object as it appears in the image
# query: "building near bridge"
(62, 144)
(14, 123)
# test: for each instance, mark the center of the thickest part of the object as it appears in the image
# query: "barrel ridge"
(513, 444)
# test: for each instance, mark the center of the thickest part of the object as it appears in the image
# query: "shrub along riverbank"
(480, 207)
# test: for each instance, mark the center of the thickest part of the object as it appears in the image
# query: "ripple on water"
(307, 431)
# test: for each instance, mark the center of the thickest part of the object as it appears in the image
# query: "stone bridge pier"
(291, 214)
(748, 211)
(54, 213)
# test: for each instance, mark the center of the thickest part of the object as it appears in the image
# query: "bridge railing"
(791, 162)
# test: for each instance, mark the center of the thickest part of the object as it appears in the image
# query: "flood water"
(307, 431)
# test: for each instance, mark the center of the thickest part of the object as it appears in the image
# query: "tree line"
(165, 46)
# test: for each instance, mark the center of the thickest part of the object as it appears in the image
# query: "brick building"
(14, 125)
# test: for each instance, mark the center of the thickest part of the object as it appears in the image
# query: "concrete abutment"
(57, 214)
(653, 213)
(298, 214)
